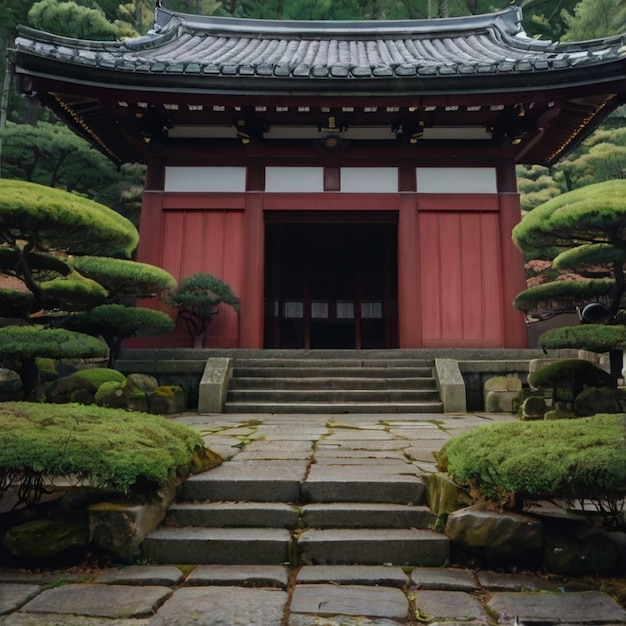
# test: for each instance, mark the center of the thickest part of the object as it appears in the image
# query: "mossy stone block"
(444, 495)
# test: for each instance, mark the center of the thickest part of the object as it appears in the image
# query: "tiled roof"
(493, 45)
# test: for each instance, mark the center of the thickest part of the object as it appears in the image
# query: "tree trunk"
(4, 104)
(31, 383)
(198, 341)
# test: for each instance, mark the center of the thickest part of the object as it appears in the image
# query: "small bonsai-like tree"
(198, 298)
(583, 234)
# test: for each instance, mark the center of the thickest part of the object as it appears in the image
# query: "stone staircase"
(260, 513)
(333, 385)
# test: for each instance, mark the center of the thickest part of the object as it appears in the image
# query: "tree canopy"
(198, 298)
(51, 219)
(583, 233)
(49, 240)
(71, 20)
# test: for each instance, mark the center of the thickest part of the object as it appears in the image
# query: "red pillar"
(251, 300)
(151, 228)
(151, 223)
(409, 304)
(513, 278)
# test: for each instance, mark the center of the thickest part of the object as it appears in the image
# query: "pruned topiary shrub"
(567, 378)
(575, 460)
(134, 453)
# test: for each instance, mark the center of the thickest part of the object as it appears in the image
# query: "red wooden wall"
(458, 270)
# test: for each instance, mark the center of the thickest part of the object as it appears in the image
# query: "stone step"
(338, 358)
(252, 481)
(226, 546)
(331, 383)
(334, 396)
(281, 515)
(366, 515)
(306, 370)
(421, 548)
(328, 408)
(272, 546)
(391, 484)
(233, 515)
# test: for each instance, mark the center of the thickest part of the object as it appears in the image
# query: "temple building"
(353, 182)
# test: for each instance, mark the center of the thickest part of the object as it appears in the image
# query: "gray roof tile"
(213, 46)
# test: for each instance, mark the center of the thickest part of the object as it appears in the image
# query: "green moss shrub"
(582, 459)
(94, 446)
(568, 377)
(81, 386)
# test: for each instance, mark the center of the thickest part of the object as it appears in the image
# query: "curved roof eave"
(485, 81)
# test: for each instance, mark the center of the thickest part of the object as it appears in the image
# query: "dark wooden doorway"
(330, 281)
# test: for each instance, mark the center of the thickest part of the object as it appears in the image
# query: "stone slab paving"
(223, 606)
(364, 444)
(496, 581)
(110, 601)
(443, 579)
(445, 606)
(338, 595)
(155, 575)
(355, 600)
(353, 575)
(14, 595)
(323, 454)
(240, 575)
(584, 607)
(52, 619)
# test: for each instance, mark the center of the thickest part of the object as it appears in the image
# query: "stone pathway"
(320, 595)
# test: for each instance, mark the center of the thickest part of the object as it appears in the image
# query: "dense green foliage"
(116, 322)
(124, 279)
(72, 293)
(560, 292)
(43, 232)
(592, 19)
(53, 219)
(565, 370)
(587, 258)
(593, 214)
(583, 230)
(568, 378)
(94, 446)
(71, 20)
(56, 343)
(53, 155)
(593, 337)
(20, 346)
(573, 459)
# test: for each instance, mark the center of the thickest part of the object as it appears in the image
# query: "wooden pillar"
(409, 305)
(251, 300)
(151, 236)
(515, 334)
(151, 227)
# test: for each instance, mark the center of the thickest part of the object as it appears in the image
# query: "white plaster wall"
(369, 179)
(456, 180)
(294, 179)
(225, 179)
